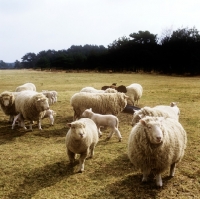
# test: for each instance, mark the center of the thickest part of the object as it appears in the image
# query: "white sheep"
(51, 95)
(30, 104)
(156, 144)
(7, 104)
(81, 138)
(158, 111)
(26, 86)
(102, 103)
(134, 91)
(44, 114)
(109, 121)
(94, 90)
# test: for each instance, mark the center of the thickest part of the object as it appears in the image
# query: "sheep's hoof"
(80, 171)
(120, 139)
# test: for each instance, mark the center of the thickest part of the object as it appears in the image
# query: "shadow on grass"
(129, 185)
(41, 178)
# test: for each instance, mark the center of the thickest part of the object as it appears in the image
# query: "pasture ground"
(35, 165)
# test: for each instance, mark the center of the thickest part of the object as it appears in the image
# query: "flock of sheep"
(156, 142)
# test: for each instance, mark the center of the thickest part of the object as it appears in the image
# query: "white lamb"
(81, 138)
(158, 111)
(51, 95)
(102, 103)
(156, 144)
(30, 104)
(26, 86)
(134, 91)
(109, 121)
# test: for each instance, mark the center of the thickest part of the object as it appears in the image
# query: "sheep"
(7, 104)
(51, 95)
(110, 121)
(159, 111)
(94, 90)
(102, 103)
(134, 91)
(30, 104)
(44, 114)
(81, 138)
(155, 144)
(120, 88)
(26, 86)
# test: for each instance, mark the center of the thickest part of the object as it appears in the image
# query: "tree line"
(175, 52)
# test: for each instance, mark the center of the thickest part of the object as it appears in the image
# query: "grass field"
(35, 164)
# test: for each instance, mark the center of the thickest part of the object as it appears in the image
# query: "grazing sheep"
(7, 104)
(30, 104)
(44, 114)
(134, 91)
(26, 86)
(158, 111)
(51, 95)
(156, 144)
(120, 88)
(110, 121)
(81, 138)
(102, 103)
(94, 90)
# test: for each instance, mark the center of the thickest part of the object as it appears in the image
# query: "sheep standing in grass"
(110, 121)
(27, 86)
(51, 95)
(158, 111)
(156, 144)
(81, 138)
(134, 91)
(102, 103)
(7, 104)
(30, 104)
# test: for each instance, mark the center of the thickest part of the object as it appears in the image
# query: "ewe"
(156, 144)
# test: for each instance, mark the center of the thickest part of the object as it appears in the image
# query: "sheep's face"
(137, 115)
(42, 104)
(77, 130)
(87, 113)
(154, 132)
(6, 100)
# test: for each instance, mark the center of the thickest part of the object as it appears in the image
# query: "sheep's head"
(87, 113)
(77, 130)
(42, 104)
(7, 99)
(152, 127)
(137, 115)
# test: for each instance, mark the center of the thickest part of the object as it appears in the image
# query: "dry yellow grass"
(35, 164)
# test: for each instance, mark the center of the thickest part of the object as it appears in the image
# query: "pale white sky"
(37, 25)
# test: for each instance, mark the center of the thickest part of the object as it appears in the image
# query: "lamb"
(155, 144)
(94, 90)
(26, 86)
(30, 104)
(134, 91)
(110, 121)
(102, 103)
(7, 104)
(44, 114)
(51, 95)
(159, 111)
(81, 138)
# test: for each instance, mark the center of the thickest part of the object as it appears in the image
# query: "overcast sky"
(37, 25)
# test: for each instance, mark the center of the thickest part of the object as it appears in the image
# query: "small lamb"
(110, 121)
(81, 138)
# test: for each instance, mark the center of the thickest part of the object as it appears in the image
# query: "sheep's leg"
(91, 154)
(71, 156)
(14, 120)
(118, 134)
(99, 131)
(30, 126)
(145, 175)
(39, 124)
(172, 169)
(82, 161)
(158, 180)
(51, 119)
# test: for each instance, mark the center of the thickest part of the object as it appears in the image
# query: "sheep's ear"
(143, 122)
(69, 124)
(126, 97)
(90, 109)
